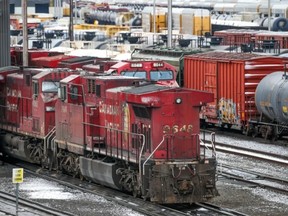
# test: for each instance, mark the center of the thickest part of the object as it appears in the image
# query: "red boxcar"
(236, 36)
(233, 78)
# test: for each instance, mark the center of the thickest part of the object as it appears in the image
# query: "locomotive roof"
(44, 72)
(139, 89)
(113, 77)
(69, 78)
(146, 89)
(16, 75)
(8, 68)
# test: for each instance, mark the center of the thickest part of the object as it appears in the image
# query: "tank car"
(140, 138)
(272, 105)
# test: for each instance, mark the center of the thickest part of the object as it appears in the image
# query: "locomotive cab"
(151, 70)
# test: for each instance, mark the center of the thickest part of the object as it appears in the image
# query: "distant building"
(4, 34)
(33, 6)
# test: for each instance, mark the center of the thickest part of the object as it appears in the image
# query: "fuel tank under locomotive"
(271, 97)
(18, 147)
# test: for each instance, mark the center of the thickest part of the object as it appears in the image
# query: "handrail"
(137, 134)
(51, 132)
(152, 153)
(212, 144)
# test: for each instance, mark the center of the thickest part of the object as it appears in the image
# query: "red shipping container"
(233, 78)
(236, 36)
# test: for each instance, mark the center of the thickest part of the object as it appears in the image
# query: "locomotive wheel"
(266, 132)
(254, 132)
(135, 194)
(81, 177)
(274, 138)
(229, 126)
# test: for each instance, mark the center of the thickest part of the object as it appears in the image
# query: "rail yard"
(117, 108)
(257, 186)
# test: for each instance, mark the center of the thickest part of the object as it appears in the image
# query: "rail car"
(153, 70)
(27, 109)
(119, 131)
(233, 78)
(271, 102)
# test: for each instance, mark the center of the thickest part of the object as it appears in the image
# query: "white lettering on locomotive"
(12, 107)
(112, 125)
(108, 109)
(13, 92)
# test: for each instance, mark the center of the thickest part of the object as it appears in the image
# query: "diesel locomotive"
(127, 133)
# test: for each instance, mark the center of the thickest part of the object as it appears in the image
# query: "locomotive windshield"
(140, 74)
(50, 86)
(161, 75)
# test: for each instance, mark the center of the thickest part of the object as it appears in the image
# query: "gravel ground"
(242, 197)
(247, 198)
(250, 200)
(60, 197)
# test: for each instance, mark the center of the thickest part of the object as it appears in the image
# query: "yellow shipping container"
(195, 22)
(160, 23)
(202, 25)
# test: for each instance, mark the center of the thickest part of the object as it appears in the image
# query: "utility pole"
(269, 15)
(169, 38)
(4, 33)
(71, 33)
(24, 33)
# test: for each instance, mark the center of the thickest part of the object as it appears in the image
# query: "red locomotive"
(27, 102)
(153, 70)
(119, 131)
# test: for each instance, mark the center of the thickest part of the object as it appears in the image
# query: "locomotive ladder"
(48, 139)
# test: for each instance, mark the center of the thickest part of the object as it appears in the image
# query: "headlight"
(50, 109)
(178, 100)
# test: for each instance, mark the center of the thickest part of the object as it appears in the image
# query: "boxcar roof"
(225, 56)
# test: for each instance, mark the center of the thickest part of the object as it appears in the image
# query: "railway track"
(220, 210)
(205, 209)
(254, 178)
(26, 207)
(136, 204)
(238, 150)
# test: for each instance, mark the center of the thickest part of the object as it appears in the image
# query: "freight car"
(272, 104)
(119, 131)
(233, 78)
